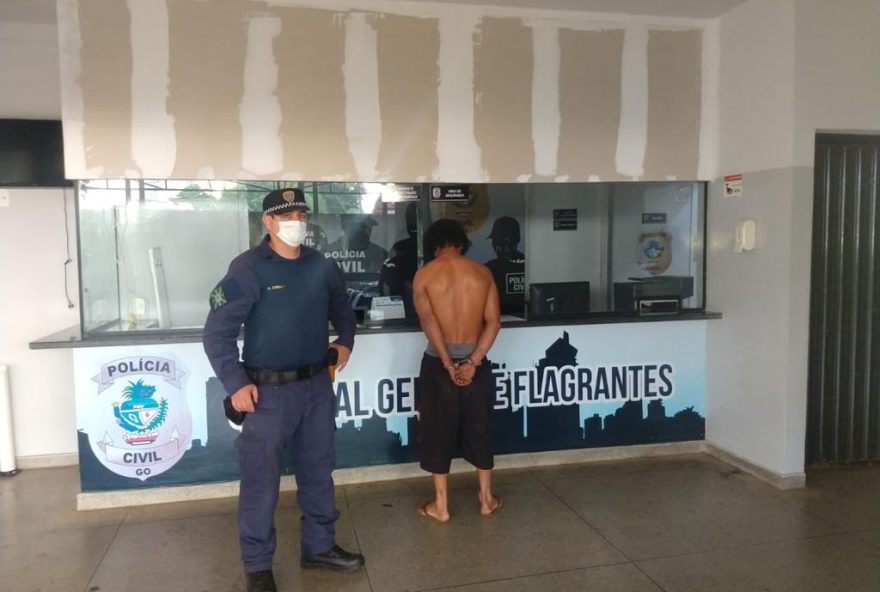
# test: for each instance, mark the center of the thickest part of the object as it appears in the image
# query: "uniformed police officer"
(509, 266)
(283, 293)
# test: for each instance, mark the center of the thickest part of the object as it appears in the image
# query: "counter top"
(72, 337)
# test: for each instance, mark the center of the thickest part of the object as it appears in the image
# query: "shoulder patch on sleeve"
(225, 292)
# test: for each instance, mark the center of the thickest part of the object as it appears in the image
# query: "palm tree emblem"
(140, 412)
(218, 298)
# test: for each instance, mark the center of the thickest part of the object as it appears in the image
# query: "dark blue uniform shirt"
(284, 305)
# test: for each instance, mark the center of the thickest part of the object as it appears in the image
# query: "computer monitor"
(31, 153)
(559, 299)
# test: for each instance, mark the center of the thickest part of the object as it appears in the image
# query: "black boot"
(261, 581)
(337, 559)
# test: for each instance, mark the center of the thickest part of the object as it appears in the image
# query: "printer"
(655, 295)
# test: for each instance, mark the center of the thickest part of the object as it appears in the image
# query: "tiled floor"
(678, 524)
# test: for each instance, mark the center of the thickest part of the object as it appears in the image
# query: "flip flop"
(496, 508)
(423, 511)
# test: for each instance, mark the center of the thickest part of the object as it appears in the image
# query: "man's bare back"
(457, 303)
(458, 290)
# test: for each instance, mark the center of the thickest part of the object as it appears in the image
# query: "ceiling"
(43, 11)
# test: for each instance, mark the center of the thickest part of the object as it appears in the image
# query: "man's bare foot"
(493, 505)
(429, 509)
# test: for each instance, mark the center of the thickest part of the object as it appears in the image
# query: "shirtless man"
(457, 303)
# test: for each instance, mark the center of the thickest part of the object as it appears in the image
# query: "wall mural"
(152, 415)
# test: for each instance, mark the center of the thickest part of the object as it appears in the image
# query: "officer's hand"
(245, 398)
(344, 354)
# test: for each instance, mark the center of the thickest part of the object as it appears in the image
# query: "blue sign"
(556, 388)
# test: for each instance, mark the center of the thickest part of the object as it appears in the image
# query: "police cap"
(284, 200)
(505, 227)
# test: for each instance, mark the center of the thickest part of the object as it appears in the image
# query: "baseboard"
(779, 480)
(124, 498)
(46, 461)
(95, 500)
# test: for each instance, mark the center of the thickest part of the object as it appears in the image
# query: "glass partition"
(494, 216)
(152, 250)
(656, 245)
(163, 244)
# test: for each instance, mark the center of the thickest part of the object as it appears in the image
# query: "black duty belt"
(283, 376)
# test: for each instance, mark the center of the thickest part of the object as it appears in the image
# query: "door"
(843, 415)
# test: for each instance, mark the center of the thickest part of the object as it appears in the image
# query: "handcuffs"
(467, 360)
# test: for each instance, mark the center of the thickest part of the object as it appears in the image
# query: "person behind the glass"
(283, 293)
(457, 304)
(398, 271)
(359, 258)
(509, 266)
(353, 250)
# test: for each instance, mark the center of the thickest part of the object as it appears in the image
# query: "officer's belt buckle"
(277, 377)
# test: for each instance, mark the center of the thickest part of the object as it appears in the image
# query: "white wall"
(32, 244)
(33, 305)
(838, 70)
(747, 359)
(837, 88)
(756, 98)
(749, 367)
(788, 69)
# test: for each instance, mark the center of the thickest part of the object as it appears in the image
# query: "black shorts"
(454, 417)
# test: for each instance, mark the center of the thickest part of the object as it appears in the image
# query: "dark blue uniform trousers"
(301, 415)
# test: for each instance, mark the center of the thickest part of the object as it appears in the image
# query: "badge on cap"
(289, 196)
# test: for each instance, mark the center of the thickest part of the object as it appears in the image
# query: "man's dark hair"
(445, 232)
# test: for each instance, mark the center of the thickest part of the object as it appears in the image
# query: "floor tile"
(423, 486)
(61, 560)
(871, 536)
(172, 511)
(634, 465)
(290, 576)
(613, 578)
(193, 554)
(847, 498)
(43, 500)
(228, 505)
(534, 533)
(837, 563)
(687, 510)
(693, 522)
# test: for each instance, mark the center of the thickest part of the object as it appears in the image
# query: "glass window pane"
(152, 250)
(568, 248)
(99, 280)
(373, 242)
(494, 217)
(171, 243)
(657, 243)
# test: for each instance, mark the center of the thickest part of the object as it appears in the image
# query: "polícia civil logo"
(144, 426)
(139, 414)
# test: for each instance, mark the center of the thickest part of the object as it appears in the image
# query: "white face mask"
(292, 232)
